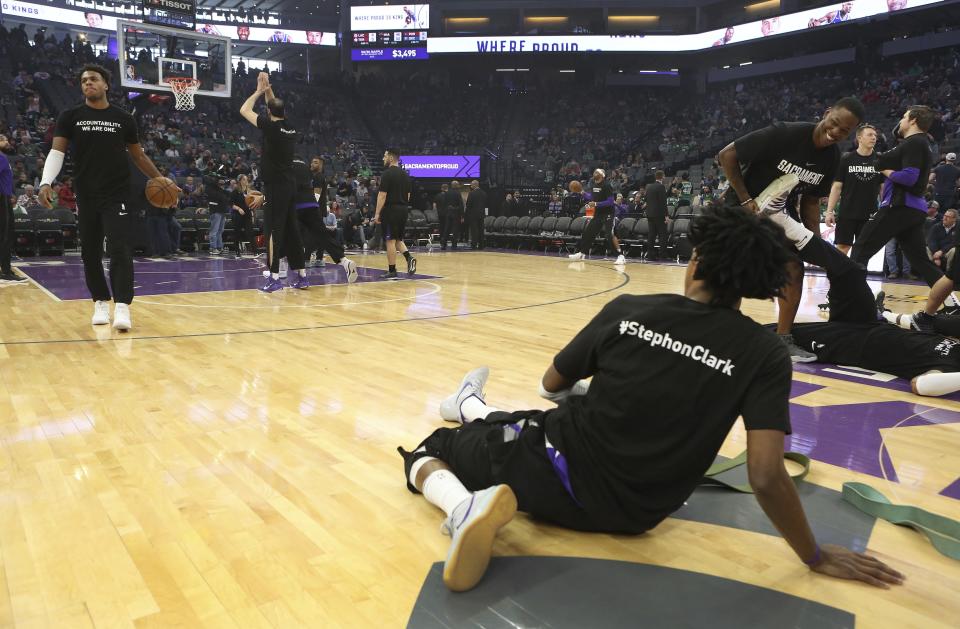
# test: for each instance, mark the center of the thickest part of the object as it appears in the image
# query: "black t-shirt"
(319, 182)
(781, 148)
(600, 193)
(279, 141)
(861, 186)
(946, 179)
(218, 201)
(911, 153)
(879, 346)
(304, 197)
(99, 139)
(396, 183)
(666, 390)
(438, 201)
(239, 199)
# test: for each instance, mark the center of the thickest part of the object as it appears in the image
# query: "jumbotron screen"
(836, 13)
(389, 45)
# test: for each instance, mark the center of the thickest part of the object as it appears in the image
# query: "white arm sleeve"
(51, 167)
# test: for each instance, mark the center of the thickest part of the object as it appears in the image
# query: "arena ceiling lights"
(837, 13)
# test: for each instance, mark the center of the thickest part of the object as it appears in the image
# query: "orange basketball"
(576, 186)
(162, 192)
(252, 196)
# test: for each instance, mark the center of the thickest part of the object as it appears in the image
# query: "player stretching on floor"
(621, 454)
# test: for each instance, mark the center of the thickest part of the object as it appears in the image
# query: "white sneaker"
(471, 385)
(620, 259)
(121, 317)
(577, 256)
(351, 268)
(773, 199)
(472, 529)
(101, 313)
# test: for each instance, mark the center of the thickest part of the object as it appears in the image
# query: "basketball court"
(231, 462)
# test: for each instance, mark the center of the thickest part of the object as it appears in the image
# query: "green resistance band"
(942, 532)
(712, 474)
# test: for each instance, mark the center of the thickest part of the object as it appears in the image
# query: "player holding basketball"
(602, 201)
(393, 204)
(621, 454)
(101, 136)
(280, 186)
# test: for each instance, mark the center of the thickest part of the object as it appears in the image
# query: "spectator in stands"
(67, 197)
(945, 183)
(556, 205)
(942, 239)
(29, 199)
(511, 207)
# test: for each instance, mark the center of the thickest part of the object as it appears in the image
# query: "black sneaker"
(12, 278)
(880, 297)
(411, 266)
(922, 322)
(390, 275)
(949, 311)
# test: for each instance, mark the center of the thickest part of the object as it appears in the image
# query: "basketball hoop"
(183, 90)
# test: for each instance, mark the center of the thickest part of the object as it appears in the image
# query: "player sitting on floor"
(621, 454)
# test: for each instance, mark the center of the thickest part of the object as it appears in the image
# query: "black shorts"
(394, 221)
(610, 226)
(848, 230)
(510, 449)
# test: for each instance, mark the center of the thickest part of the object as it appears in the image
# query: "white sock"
(275, 276)
(474, 408)
(796, 232)
(897, 319)
(443, 489)
(936, 384)
(951, 301)
(303, 272)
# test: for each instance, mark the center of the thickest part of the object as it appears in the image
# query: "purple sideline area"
(848, 435)
(863, 376)
(64, 278)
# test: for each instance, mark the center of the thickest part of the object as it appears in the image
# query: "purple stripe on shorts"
(559, 463)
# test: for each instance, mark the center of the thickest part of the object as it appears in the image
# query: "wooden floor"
(231, 462)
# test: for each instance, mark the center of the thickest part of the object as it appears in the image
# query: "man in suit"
(656, 198)
(476, 211)
(453, 216)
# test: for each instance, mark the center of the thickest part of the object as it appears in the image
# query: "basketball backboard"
(150, 55)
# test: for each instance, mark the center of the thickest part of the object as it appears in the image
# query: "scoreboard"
(175, 13)
(389, 45)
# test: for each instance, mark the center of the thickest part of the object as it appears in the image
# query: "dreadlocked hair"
(740, 255)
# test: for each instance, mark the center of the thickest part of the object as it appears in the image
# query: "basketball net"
(183, 90)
